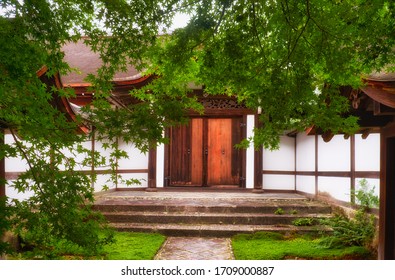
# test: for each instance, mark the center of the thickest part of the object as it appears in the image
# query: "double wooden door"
(203, 153)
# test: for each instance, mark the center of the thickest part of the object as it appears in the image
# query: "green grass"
(276, 246)
(134, 246)
(126, 246)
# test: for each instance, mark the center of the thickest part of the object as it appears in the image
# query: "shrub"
(357, 231)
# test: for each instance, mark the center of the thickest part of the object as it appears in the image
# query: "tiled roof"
(80, 56)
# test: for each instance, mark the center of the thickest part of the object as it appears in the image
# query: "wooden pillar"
(316, 165)
(352, 168)
(93, 150)
(152, 170)
(258, 165)
(296, 162)
(386, 250)
(2, 167)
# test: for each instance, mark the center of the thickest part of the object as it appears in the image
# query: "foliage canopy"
(287, 57)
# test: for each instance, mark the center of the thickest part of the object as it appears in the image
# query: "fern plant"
(359, 230)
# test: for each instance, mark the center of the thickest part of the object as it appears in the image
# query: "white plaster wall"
(250, 153)
(13, 164)
(305, 184)
(160, 166)
(305, 152)
(136, 160)
(336, 187)
(367, 153)
(334, 155)
(282, 159)
(278, 182)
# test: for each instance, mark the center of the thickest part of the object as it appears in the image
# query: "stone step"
(201, 206)
(206, 218)
(209, 214)
(214, 230)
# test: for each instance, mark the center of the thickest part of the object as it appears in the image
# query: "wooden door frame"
(167, 153)
(386, 248)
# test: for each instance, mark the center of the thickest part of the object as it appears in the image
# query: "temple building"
(202, 154)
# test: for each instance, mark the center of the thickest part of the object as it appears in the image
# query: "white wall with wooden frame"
(308, 164)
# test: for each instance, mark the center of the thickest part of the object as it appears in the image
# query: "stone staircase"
(211, 215)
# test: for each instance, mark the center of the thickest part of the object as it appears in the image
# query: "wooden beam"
(258, 163)
(352, 168)
(316, 165)
(365, 133)
(93, 149)
(386, 248)
(152, 169)
(327, 136)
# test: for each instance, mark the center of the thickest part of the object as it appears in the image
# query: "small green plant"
(279, 211)
(294, 212)
(305, 222)
(365, 195)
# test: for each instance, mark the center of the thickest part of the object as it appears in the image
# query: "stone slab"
(195, 248)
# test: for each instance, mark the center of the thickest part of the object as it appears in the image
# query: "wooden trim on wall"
(15, 175)
(343, 174)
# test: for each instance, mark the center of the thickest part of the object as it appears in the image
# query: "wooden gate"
(203, 153)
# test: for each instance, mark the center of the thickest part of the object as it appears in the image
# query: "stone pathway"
(195, 248)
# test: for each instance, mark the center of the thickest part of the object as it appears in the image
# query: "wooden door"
(223, 159)
(186, 154)
(203, 154)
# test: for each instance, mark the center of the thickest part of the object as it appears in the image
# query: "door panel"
(223, 160)
(186, 150)
(197, 154)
